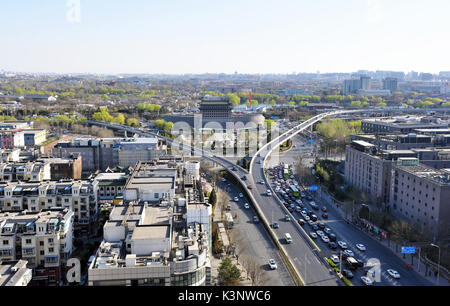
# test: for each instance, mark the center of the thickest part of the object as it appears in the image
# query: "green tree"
(212, 198)
(120, 119)
(229, 274)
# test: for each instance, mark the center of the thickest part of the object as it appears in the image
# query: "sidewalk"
(395, 248)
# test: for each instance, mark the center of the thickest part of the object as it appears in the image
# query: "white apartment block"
(78, 196)
(43, 239)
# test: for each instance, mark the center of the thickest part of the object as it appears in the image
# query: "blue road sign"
(408, 250)
(274, 117)
(310, 140)
(313, 188)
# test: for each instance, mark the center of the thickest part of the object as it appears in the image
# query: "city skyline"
(254, 37)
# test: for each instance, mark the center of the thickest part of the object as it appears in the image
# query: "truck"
(230, 221)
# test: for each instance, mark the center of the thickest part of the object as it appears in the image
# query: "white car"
(393, 273)
(272, 264)
(241, 195)
(342, 244)
(236, 199)
(307, 218)
(320, 233)
(360, 247)
(246, 206)
(325, 238)
(366, 281)
(261, 182)
(349, 253)
(224, 180)
(335, 259)
(313, 235)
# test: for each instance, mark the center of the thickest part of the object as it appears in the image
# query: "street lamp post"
(439, 260)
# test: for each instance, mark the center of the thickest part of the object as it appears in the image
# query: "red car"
(325, 215)
(324, 209)
(250, 187)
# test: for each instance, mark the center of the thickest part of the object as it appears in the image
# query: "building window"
(41, 243)
(5, 242)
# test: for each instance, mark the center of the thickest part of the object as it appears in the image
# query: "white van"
(288, 238)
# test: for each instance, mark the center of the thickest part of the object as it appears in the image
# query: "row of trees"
(105, 116)
(163, 125)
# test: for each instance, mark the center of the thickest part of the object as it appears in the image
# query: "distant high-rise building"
(353, 85)
(390, 84)
(426, 76)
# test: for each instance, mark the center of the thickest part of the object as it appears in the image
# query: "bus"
(230, 221)
(295, 191)
(286, 171)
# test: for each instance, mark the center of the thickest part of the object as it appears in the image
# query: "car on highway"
(301, 222)
(246, 206)
(241, 195)
(236, 199)
(234, 169)
(314, 217)
(255, 219)
(325, 215)
(367, 281)
(244, 178)
(393, 273)
(359, 262)
(272, 264)
(325, 238)
(360, 247)
(314, 206)
(307, 218)
(315, 227)
(287, 218)
(250, 187)
(349, 253)
(313, 235)
(288, 238)
(332, 236)
(347, 273)
(261, 182)
(328, 230)
(320, 233)
(321, 225)
(310, 222)
(335, 258)
(332, 245)
(342, 244)
(268, 192)
(275, 225)
(224, 180)
(324, 209)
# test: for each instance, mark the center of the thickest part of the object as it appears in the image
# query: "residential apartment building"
(25, 172)
(43, 239)
(161, 235)
(78, 196)
(15, 273)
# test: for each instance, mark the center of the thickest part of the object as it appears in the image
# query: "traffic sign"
(310, 140)
(313, 188)
(408, 250)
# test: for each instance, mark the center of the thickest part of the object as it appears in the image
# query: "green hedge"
(330, 262)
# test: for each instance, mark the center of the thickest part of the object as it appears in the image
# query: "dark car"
(275, 225)
(313, 217)
(315, 227)
(321, 225)
(360, 262)
(325, 215)
(250, 187)
(314, 206)
(347, 273)
(332, 245)
(301, 222)
(332, 236)
(344, 255)
(244, 178)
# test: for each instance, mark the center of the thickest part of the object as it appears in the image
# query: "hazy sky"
(248, 36)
